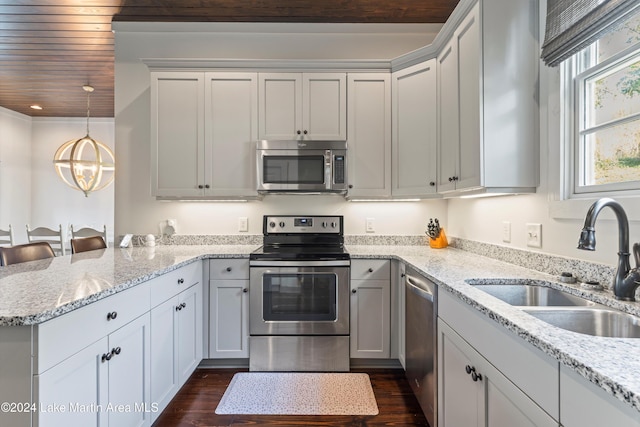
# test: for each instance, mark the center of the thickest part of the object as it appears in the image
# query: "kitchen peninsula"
(40, 293)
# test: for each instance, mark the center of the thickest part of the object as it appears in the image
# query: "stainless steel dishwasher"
(421, 338)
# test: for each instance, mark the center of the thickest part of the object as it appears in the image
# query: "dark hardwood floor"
(195, 403)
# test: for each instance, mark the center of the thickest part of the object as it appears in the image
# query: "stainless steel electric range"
(299, 296)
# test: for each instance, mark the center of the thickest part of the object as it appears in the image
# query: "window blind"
(573, 25)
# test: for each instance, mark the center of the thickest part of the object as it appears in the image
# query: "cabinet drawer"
(376, 269)
(174, 282)
(229, 268)
(59, 338)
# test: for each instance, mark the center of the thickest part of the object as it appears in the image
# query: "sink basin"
(600, 322)
(533, 295)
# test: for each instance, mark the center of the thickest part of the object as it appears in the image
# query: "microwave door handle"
(328, 168)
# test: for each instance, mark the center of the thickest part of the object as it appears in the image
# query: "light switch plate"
(506, 231)
(370, 226)
(534, 235)
(243, 224)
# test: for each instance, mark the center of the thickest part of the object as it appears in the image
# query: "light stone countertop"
(34, 292)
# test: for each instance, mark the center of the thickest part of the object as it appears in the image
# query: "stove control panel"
(302, 224)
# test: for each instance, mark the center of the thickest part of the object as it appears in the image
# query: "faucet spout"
(626, 280)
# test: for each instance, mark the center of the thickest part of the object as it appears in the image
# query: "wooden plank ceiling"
(50, 48)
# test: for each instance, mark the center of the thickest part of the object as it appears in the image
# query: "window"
(604, 84)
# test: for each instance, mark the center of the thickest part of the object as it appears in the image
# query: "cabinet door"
(230, 133)
(369, 133)
(229, 319)
(177, 134)
(370, 317)
(165, 382)
(414, 130)
(189, 326)
(467, 38)
(129, 375)
(324, 107)
(473, 392)
(448, 117)
(280, 105)
(78, 385)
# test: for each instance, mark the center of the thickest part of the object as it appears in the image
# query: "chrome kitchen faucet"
(626, 280)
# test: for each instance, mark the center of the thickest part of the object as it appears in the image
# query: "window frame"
(576, 71)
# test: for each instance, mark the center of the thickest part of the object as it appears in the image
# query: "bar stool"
(27, 252)
(88, 232)
(84, 244)
(55, 238)
(6, 237)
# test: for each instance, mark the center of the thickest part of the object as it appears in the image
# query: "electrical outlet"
(506, 231)
(534, 235)
(370, 225)
(243, 224)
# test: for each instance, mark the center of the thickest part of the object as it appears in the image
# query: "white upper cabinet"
(414, 130)
(304, 106)
(203, 131)
(177, 134)
(488, 101)
(369, 131)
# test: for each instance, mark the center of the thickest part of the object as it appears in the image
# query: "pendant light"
(85, 164)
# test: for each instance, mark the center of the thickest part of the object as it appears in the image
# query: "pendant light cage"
(85, 164)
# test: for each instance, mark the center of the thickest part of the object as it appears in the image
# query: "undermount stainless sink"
(533, 295)
(596, 321)
(563, 310)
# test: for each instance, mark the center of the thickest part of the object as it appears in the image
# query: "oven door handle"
(318, 263)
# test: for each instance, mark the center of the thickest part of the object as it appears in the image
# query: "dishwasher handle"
(419, 287)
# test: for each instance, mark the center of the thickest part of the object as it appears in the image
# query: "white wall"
(15, 170)
(52, 201)
(138, 212)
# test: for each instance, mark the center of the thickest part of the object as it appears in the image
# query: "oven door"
(295, 298)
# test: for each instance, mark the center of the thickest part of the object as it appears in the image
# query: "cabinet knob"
(206, 186)
(183, 305)
(353, 291)
(402, 275)
(245, 290)
(180, 281)
(112, 315)
(201, 186)
(228, 268)
(455, 178)
(350, 185)
(116, 351)
(106, 357)
(305, 132)
(432, 183)
(178, 307)
(476, 377)
(450, 179)
(298, 132)
(467, 369)
(370, 270)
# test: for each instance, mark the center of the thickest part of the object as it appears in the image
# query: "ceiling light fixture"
(35, 107)
(85, 164)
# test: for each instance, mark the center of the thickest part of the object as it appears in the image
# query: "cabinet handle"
(350, 185)
(183, 305)
(206, 186)
(228, 268)
(180, 281)
(245, 290)
(353, 291)
(178, 307)
(455, 178)
(370, 270)
(112, 315)
(468, 369)
(116, 351)
(402, 275)
(106, 357)
(298, 132)
(450, 179)
(476, 377)
(305, 132)
(201, 186)
(432, 183)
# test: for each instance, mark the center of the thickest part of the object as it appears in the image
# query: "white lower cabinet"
(370, 309)
(176, 344)
(584, 404)
(229, 309)
(105, 384)
(488, 376)
(474, 393)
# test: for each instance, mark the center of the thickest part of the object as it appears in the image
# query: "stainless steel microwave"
(301, 166)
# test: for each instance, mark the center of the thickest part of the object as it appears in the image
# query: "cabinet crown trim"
(281, 65)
